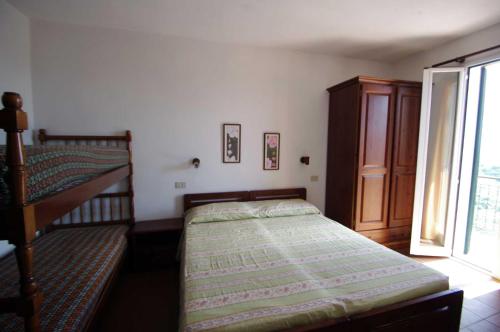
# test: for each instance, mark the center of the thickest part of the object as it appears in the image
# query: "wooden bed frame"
(22, 220)
(436, 312)
(192, 200)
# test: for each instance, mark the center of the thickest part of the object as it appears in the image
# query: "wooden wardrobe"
(372, 155)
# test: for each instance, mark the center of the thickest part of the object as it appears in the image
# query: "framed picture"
(231, 143)
(271, 151)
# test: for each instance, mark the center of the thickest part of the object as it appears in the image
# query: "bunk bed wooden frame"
(21, 220)
(435, 312)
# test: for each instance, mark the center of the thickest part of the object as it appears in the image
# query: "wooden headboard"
(261, 195)
(192, 200)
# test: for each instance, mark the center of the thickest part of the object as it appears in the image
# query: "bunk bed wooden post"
(20, 223)
(130, 179)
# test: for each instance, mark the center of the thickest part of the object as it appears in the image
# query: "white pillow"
(248, 210)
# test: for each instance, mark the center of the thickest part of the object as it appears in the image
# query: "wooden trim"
(158, 226)
(375, 80)
(392, 234)
(107, 195)
(192, 200)
(413, 315)
(342, 324)
(419, 311)
(20, 225)
(128, 135)
(90, 224)
(13, 120)
(261, 195)
(106, 292)
(43, 137)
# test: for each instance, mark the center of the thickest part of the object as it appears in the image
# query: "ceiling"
(386, 30)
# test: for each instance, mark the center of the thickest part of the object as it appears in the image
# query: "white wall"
(412, 67)
(15, 67)
(15, 71)
(174, 94)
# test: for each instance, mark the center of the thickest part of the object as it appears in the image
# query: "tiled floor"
(142, 302)
(481, 309)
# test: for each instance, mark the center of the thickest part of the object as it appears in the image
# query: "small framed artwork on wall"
(231, 143)
(271, 151)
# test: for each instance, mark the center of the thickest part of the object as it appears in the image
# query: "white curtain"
(439, 158)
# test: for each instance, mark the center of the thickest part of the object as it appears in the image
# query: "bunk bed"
(61, 270)
(287, 267)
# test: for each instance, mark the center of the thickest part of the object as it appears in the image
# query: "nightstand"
(154, 243)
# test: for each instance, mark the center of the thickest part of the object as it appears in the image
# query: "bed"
(287, 267)
(49, 196)
(72, 269)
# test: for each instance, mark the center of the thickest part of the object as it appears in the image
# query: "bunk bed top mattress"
(268, 274)
(71, 268)
(51, 169)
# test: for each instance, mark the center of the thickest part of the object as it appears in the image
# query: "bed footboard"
(436, 312)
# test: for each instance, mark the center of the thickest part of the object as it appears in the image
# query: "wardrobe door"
(404, 158)
(342, 154)
(374, 163)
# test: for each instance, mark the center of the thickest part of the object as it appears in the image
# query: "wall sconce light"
(304, 160)
(196, 162)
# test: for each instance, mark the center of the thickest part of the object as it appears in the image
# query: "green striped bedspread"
(268, 274)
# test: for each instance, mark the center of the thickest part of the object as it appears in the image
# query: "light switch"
(180, 185)
(314, 178)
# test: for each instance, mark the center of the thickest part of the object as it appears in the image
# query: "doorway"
(457, 200)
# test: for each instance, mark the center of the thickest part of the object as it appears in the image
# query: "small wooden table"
(155, 242)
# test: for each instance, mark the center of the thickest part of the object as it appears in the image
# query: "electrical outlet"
(180, 185)
(314, 178)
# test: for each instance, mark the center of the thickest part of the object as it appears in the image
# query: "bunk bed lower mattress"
(71, 267)
(51, 169)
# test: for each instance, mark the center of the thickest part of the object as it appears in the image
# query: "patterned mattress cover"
(55, 168)
(71, 267)
(272, 273)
